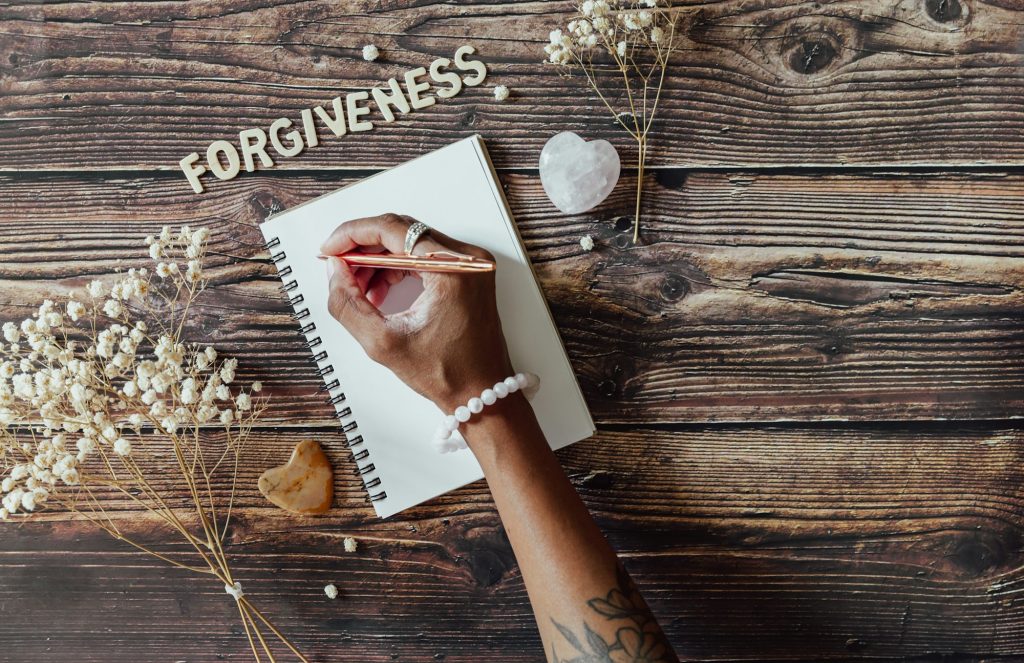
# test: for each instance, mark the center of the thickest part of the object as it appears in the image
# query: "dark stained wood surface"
(806, 379)
(118, 85)
(755, 297)
(805, 542)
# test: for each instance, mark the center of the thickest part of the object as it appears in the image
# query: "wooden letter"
(414, 88)
(337, 123)
(309, 128)
(355, 111)
(449, 77)
(249, 149)
(193, 171)
(293, 135)
(475, 65)
(385, 100)
(213, 159)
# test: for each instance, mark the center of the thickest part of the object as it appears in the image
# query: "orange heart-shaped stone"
(305, 484)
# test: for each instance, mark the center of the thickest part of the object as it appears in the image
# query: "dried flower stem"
(636, 39)
(126, 393)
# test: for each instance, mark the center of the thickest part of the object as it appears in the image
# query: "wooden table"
(806, 379)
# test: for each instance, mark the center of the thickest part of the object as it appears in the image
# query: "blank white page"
(454, 190)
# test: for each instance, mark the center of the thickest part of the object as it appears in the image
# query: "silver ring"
(413, 234)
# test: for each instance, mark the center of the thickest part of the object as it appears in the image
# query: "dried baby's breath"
(100, 389)
(626, 44)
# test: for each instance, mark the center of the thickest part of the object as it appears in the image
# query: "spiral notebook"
(387, 425)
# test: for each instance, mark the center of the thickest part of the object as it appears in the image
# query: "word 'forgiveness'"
(226, 161)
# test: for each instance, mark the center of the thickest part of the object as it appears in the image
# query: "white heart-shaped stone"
(578, 175)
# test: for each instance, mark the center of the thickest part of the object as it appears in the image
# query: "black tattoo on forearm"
(640, 640)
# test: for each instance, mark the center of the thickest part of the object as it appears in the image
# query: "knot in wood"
(608, 388)
(944, 10)
(623, 224)
(812, 54)
(674, 288)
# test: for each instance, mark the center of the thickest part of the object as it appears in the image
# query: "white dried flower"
(28, 501)
(96, 289)
(501, 92)
(350, 544)
(331, 591)
(122, 447)
(11, 332)
(257, 386)
(85, 445)
(226, 417)
(370, 52)
(243, 402)
(169, 424)
(75, 310)
(112, 308)
(587, 242)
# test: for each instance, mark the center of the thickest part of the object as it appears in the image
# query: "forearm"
(572, 575)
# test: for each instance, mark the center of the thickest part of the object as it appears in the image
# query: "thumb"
(348, 305)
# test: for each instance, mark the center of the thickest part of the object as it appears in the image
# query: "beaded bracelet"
(444, 437)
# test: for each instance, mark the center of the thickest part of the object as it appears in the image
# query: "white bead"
(521, 380)
(488, 397)
(462, 413)
(475, 405)
(451, 423)
(500, 390)
(442, 433)
(512, 385)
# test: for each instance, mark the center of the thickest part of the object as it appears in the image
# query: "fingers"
(460, 247)
(387, 230)
(377, 290)
(349, 305)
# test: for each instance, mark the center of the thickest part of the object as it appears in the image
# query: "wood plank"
(801, 542)
(755, 297)
(118, 85)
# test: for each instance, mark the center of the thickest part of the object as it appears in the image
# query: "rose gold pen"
(440, 261)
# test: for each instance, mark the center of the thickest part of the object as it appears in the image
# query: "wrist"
(499, 421)
(452, 397)
(508, 396)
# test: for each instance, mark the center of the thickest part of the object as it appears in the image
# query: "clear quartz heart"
(578, 175)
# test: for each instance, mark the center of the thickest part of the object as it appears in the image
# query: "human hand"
(448, 345)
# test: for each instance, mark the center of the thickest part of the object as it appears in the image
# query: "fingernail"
(331, 267)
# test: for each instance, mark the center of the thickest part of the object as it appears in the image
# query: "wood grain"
(755, 297)
(834, 231)
(801, 542)
(116, 85)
